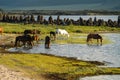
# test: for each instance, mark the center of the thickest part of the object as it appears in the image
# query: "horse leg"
(101, 41)
(30, 45)
(91, 41)
(97, 41)
(48, 45)
(54, 37)
(45, 45)
(24, 43)
(16, 43)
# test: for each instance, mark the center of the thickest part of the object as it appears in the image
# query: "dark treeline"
(30, 19)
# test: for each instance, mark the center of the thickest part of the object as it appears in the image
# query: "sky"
(61, 4)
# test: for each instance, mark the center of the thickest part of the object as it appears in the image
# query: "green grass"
(36, 64)
(45, 29)
(10, 27)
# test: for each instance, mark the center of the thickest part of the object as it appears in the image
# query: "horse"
(94, 36)
(28, 31)
(34, 32)
(62, 32)
(25, 39)
(35, 38)
(53, 34)
(1, 30)
(47, 42)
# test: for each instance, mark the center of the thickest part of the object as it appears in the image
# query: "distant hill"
(61, 4)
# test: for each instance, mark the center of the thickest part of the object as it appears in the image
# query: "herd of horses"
(27, 40)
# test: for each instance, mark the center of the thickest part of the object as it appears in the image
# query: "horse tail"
(101, 39)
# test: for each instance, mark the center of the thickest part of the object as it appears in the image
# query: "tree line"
(30, 19)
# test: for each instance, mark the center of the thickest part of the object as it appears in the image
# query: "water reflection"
(102, 77)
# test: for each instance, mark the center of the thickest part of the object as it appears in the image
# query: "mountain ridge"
(60, 4)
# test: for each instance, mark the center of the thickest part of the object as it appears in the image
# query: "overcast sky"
(58, 4)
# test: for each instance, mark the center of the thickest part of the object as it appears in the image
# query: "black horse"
(94, 36)
(47, 42)
(25, 39)
(53, 34)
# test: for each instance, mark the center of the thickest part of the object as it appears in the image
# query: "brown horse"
(94, 36)
(34, 32)
(1, 30)
(25, 39)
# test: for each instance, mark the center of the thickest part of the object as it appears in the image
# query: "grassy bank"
(53, 67)
(78, 34)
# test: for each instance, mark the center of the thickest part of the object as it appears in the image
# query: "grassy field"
(14, 28)
(54, 67)
(51, 66)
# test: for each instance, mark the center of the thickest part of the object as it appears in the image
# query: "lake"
(85, 17)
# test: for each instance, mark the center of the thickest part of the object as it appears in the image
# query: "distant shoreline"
(63, 12)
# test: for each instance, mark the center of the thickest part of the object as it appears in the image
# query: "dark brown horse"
(34, 32)
(47, 42)
(94, 36)
(31, 31)
(53, 35)
(25, 39)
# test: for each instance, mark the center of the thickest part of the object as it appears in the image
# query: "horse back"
(27, 32)
(94, 36)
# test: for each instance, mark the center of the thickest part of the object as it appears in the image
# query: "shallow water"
(110, 53)
(102, 77)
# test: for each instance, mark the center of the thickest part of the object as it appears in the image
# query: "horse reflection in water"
(27, 40)
(94, 36)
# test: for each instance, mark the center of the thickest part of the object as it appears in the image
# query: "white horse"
(62, 32)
